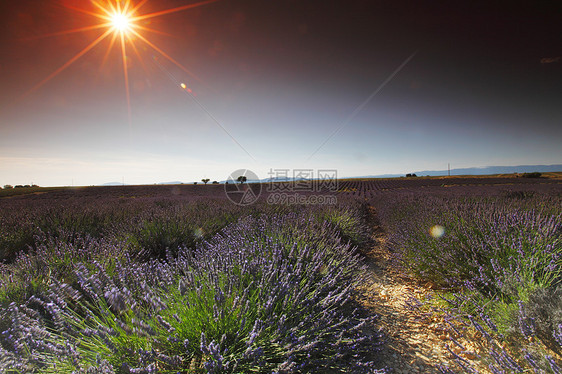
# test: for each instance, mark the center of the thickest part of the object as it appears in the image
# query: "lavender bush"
(498, 261)
(199, 287)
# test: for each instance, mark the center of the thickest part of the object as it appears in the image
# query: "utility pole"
(449, 168)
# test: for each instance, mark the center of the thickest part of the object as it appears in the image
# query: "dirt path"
(415, 340)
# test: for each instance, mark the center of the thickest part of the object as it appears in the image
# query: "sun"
(121, 22)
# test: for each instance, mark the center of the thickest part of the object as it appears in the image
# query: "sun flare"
(121, 22)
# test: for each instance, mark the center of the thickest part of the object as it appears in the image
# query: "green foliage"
(351, 224)
(499, 251)
(545, 309)
(157, 237)
(290, 271)
(13, 242)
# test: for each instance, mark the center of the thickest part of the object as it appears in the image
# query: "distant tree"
(411, 175)
(18, 186)
(215, 182)
(27, 186)
(34, 186)
(242, 179)
(205, 180)
(534, 174)
(194, 182)
(8, 186)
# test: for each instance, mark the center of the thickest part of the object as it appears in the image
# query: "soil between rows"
(415, 340)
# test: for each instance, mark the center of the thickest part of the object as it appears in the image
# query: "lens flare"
(437, 231)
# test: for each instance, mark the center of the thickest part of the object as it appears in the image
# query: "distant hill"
(485, 170)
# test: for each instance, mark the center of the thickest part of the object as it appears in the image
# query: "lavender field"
(493, 253)
(177, 279)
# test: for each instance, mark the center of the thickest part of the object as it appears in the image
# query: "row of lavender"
(145, 285)
(373, 187)
(496, 255)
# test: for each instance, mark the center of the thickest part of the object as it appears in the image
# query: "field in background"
(364, 187)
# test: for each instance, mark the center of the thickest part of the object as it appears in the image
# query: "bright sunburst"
(120, 22)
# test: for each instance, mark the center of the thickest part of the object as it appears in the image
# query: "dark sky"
(483, 88)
